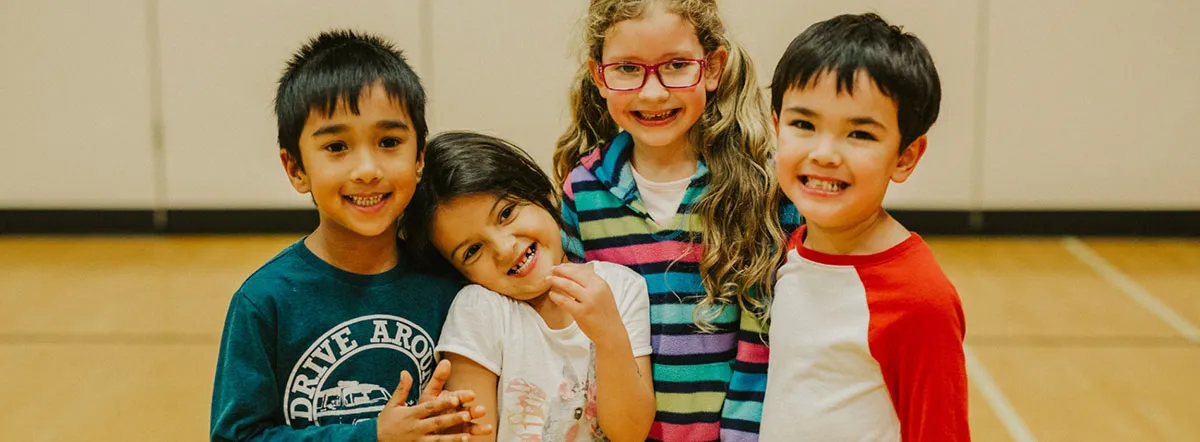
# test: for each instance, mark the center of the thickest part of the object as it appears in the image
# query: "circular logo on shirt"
(349, 373)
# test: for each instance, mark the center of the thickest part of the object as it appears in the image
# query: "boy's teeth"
(366, 201)
(829, 186)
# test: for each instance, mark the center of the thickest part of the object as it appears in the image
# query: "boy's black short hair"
(896, 61)
(336, 66)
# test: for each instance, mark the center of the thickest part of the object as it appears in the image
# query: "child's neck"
(354, 253)
(664, 163)
(876, 233)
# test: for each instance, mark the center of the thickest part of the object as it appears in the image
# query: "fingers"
(446, 438)
(480, 430)
(445, 421)
(438, 382)
(571, 305)
(564, 301)
(477, 412)
(401, 393)
(464, 396)
(438, 406)
(456, 422)
(566, 287)
(580, 273)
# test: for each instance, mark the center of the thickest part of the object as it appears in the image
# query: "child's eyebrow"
(331, 129)
(392, 124)
(866, 121)
(802, 111)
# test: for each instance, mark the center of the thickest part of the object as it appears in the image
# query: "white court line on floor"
(996, 400)
(1131, 288)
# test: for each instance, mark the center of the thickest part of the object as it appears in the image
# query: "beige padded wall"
(74, 105)
(504, 68)
(1070, 104)
(1093, 105)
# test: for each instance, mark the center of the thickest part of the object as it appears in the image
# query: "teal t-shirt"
(312, 352)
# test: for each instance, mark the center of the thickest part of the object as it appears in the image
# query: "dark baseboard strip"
(87, 222)
(242, 221)
(1184, 223)
(1148, 223)
(22, 221)
(934, 222)
(1093, 223)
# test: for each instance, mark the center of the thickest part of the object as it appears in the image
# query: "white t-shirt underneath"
(661, 199)
(547, 384)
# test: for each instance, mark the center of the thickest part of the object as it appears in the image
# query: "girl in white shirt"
(556, 351)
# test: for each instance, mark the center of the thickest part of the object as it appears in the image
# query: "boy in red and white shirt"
(866, 331)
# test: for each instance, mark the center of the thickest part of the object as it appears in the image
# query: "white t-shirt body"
(547, 380)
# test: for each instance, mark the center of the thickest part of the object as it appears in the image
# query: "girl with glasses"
(666, 170)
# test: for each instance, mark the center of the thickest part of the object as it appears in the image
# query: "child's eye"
(336, 147)
(507, 211)
(677, 65)
(628, 68)
(860, 135)
(803, 125)
(389, 143)
(471, 251)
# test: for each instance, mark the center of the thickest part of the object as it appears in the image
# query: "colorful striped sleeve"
(742, 412)
(571, 242)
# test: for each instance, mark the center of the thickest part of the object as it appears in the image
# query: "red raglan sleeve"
(916, 334)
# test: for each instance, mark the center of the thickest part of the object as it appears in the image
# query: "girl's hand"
(589, 300)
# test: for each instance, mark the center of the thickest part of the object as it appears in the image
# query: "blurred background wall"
(156, 115)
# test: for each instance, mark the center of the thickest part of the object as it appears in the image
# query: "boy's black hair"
(896, 61)
(461, 163)
(336, 66)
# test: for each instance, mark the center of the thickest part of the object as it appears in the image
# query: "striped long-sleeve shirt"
(702, 394)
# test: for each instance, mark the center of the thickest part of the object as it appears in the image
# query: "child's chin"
(821, 217)
(657, 136)
(371, 230)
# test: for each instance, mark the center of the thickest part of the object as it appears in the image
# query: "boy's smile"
(839, 150)
(361, 169)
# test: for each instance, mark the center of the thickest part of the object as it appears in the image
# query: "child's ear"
(295, 172)
(775, 123)
(714, 67)
(594, 71)
(420, 164)
(908, 159)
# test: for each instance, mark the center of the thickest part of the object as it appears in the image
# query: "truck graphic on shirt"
(350, 402)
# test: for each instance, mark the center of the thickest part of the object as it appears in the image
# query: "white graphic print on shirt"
(323, 388)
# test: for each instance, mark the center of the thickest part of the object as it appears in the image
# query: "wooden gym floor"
(115, 338)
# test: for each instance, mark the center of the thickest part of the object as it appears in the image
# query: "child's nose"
(367, 168)
(826, 152)
(653, 89)
(507, 247)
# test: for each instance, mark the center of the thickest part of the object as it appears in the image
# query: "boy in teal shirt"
(316, 339)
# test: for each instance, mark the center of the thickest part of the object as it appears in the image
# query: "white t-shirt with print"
(546, 388)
